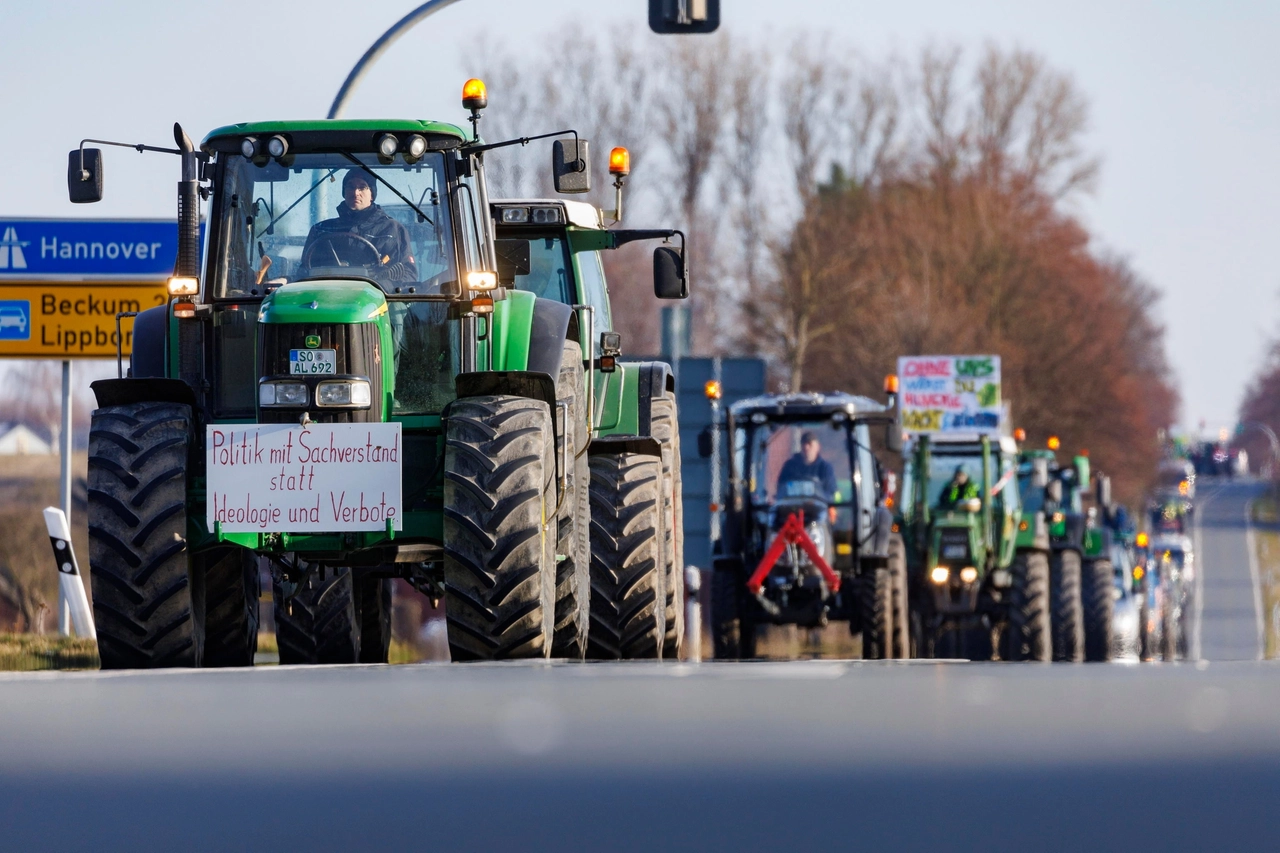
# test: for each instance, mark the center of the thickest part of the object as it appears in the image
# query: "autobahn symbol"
(11, 256)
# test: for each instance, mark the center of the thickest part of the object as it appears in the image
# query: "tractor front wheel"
(148, 593)
(1067, 618)
(573, 571)
(1096, 592)
(628, 619)
(499, 528)
(318, 624)
(901, 606)
(232, 588)
(1027, 636)
(733, 633)
(877, 614)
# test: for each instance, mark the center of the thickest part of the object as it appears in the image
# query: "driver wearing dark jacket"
(341, 241)
(808, 464)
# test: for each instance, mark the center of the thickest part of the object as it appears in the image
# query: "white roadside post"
(70, 587)
(64, 445)
(692, 615)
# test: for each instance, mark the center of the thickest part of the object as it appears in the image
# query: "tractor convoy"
(368, 369)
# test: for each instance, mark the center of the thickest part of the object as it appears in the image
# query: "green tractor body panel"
(618, 401)
(324, 302)
(512, 330)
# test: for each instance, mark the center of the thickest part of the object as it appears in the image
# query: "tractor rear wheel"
(901, 606)
(232, 588)
(319, 624)
(373, 610)
(628, 619)
(1027, 636)
(499, 528)
(148, 594)
(1067, 617)
(877, 614)
(573, 524)
(733, 634)
(664, 426)
(1099, 602)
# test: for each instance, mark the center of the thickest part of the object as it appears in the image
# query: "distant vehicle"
(1174, 559)
(11, 317)
(1156, 630)
(1126, 613)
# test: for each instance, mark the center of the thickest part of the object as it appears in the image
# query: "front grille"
(356, 349)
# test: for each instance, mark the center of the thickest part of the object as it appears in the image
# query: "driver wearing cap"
(360, 229)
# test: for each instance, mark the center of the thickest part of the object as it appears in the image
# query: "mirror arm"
(525, 140)
(630, 235)
(139, 147)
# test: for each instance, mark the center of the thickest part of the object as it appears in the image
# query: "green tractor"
(978, 561)
(551, 248)
(1081, 571)
(341, 386)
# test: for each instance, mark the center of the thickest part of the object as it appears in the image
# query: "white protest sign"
(286, 478)
(950, 393)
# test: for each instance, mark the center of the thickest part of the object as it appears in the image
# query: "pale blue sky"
(1184, 114)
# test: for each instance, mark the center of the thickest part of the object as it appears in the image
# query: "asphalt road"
(1228, 608)
(754, 756)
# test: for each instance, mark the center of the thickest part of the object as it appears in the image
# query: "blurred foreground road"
(1229, 607)
(755, 756)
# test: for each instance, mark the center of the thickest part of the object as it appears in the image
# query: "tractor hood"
(324, 301)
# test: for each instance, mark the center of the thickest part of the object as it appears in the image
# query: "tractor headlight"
(940, 575)
(343, 392)
(277, 146)
(182, 285)
(249, 147)
(968, 574)
(283, 394)
(417, 146)
(388, 145)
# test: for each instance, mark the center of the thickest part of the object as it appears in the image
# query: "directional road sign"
(62, 282)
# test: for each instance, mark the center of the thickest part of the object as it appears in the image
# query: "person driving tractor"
(958, 490)
(362, 234)
(808, 464)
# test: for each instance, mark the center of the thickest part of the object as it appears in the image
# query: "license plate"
(313, 362)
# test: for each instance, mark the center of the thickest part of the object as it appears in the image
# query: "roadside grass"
(1266, 535)
(30, 652)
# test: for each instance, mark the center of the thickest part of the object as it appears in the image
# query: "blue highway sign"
(86, 249)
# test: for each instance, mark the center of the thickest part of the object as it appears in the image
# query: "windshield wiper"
(422, 217)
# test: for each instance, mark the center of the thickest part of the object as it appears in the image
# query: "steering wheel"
(363, 245)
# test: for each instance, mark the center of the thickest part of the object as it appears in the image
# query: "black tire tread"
(1067, 616)
(573, 523)
(148, 598)
(1028, 636)
(876, 600)
(318, 625)
(232, 588)
(1096, 584)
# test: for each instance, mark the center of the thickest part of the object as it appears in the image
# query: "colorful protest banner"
(950, 394)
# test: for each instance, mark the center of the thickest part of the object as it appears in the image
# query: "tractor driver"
(808, 464)
(958, 490)
(362, 234)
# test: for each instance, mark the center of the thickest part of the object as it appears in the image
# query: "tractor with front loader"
(552, 248)
(806, 537)
(341, 386)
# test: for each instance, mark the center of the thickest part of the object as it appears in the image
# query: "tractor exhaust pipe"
(188, 262)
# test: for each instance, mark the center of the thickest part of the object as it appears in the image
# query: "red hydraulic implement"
(792, 533)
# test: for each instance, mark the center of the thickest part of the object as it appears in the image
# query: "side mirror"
(513, 259)
(669, 280)
(1040, 472)
(893, 437)
(84, 177)
(1104, 491)
(704, 441)
(1053, 491)
(571, 165)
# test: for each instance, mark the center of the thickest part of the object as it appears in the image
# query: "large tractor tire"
(664, 426)
(373, 610)
(573, 522)
(901, 603)
(628, 619)
(232, 587)
(1067, 617)
(499, 528)
(319, 624)
(1097, 583)
(1028, 636)
(733, 633)
(148, 594)
(876, 599)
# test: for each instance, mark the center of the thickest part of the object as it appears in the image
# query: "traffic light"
(684, 16)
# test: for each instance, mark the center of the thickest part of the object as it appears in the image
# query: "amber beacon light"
(620, 162)
(474, 95)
